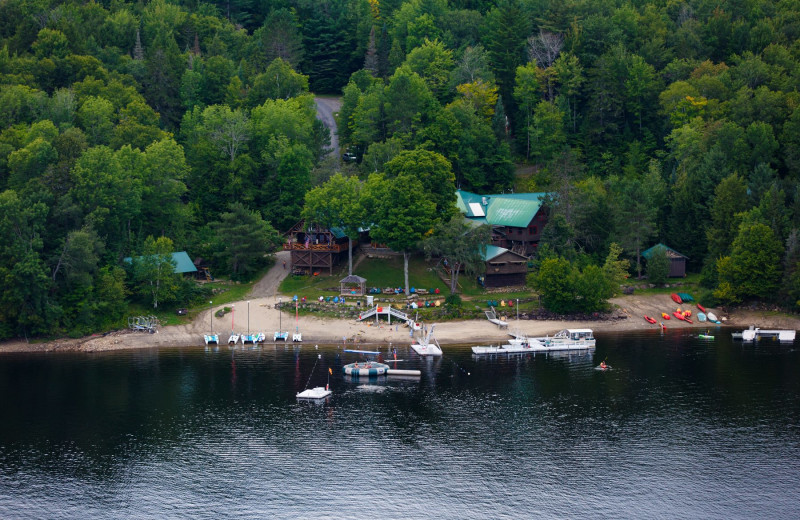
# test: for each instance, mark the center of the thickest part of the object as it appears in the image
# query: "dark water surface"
(679, 428)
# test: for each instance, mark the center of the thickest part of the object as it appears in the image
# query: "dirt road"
(326, 107)
(267, 287)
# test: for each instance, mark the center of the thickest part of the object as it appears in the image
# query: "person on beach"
(284, 264)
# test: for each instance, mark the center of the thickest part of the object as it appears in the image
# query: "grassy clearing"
(223, 291)
(379, 272)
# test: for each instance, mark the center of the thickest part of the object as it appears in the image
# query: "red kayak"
(665, 315)
(676, 298)
(649, 319)
(679, 315)
(702, 309)
(688, 320)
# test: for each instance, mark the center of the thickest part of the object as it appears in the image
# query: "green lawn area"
(388, 272)
(379, 272)
(226, 292)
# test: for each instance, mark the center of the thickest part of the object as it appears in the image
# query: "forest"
(135, 129)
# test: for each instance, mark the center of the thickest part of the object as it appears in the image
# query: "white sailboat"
(297, 336)
(211, 339)
(281, 335)
(427, 346)
(233, 339)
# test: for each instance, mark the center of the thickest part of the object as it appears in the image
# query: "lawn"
(379, 272)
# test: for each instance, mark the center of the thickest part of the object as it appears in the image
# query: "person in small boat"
(603, 365)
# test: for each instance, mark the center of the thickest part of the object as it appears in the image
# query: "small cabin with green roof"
(183, 264)
(517, 219)
(677, 261)
(504, 268)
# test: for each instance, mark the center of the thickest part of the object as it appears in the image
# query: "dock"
(491, 315)
(755, 334)
(395, 372)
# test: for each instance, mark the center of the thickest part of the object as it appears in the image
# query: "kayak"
(687, 313)
(665, 315)
(702, 309)
(712, 317)
(649, 319)
(705, 336)
(679, 315)
(687, 319)
(676, 298)
(701, 316)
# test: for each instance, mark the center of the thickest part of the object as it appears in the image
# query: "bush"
(453, 300)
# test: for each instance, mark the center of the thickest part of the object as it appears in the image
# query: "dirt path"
(326, 107)
(267, 287)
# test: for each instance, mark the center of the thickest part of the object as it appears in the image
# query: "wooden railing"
(334, 248)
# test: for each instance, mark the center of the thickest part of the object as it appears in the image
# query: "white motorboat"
(427, 346)
(319, 392)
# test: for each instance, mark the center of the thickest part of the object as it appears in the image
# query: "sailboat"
(427, 346)
(297, 336)
(211, 339)
(280, 334)
(234, 338)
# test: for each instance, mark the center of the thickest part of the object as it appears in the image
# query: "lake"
(678, 428)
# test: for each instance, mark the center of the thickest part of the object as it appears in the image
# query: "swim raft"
(366, 369)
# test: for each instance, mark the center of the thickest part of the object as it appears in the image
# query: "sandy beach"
(627, 315)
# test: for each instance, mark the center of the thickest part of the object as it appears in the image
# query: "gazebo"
(353, 285)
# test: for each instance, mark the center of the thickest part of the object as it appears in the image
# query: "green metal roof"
(183, 264)
(492, 252)
(505, 209)
(647, 253)
(338, 232)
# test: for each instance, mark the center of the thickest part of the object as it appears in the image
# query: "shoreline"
(627, 316)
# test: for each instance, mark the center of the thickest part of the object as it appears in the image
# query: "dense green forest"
(133, 129)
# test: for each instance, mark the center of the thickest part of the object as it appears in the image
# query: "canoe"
(679, 315)
(701, 316)
(665, 315)
(686, 297)
(702, 309)
(712, 317)
(649, 319)
(675, 298)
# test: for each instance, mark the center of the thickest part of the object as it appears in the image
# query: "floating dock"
(755, 334)
(394, 372)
